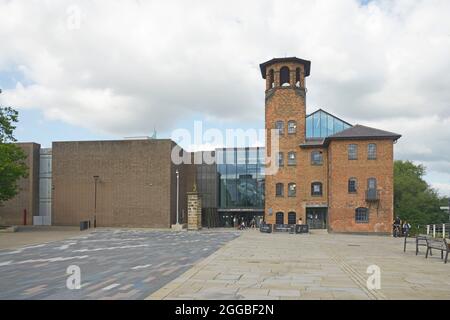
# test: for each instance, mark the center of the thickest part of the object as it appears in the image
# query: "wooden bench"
(438, 244)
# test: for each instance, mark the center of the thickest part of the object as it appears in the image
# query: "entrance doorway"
(230, 219)
(316, 218)
(279, 218)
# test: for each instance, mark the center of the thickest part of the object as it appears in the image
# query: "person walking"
(396, 226)
(406, 228)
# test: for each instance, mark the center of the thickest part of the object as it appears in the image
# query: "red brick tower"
(285, 110)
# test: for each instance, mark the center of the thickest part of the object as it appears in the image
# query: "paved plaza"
(315, 266)
(114, 264)
(218, 264)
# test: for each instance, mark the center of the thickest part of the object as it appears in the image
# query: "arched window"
(292, 189)
(284, 77)
(292, 126)
(352, 152)
(297, 77)
(292, 217)
(362, 215)
(372, 183)
(316, 189)
(280, 159)
(371, 151)
(279, 190)
(279, 218)
(352, 185)
(316, 158)
(271, 79)
(279, 125)
(292, 159)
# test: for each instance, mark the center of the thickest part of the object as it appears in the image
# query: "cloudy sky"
(81, 70)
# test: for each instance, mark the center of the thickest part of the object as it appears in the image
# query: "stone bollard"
(194, 211)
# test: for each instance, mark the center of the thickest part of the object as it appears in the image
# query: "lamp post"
(95, 200)
(178, 192)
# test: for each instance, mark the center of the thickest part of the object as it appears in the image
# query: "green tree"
(12, 157)
(414, 200)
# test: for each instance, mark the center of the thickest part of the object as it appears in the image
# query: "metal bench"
(438, 244)
(420, 241)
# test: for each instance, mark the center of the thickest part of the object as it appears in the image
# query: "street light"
(95, 200)
(178, 192)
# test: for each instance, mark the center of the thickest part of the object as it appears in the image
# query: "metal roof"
(360, 131)
(357, 132)
(306, 63)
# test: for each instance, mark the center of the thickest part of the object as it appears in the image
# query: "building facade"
(125, 183)
(331, 175)
(21, 209)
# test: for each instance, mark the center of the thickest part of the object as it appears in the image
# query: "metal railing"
(441, 230)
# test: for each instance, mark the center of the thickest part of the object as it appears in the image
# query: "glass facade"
(321, 125)
(241, 178)
(240, 175)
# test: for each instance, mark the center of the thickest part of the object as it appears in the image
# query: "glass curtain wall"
(241, 178)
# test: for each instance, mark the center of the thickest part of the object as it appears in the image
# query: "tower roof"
(306, 63)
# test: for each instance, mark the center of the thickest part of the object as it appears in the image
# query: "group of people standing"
(400, 228)
(241, 223)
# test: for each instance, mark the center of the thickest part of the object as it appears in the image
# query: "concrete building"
(332, 175)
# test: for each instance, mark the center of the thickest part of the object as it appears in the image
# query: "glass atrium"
(321, 124)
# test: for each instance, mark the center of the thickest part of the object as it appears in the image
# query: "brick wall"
(285, 104)
(12, 211)
(341, 213)
(136, 188)
(309, 173)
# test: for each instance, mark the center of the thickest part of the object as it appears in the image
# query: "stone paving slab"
(114, 263)
(315, 266)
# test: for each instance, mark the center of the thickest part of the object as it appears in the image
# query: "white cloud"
(443, 188)
(131, 66)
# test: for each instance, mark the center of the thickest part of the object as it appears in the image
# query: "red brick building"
(332, 175)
